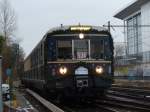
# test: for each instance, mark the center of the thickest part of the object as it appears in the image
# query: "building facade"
(136, 17)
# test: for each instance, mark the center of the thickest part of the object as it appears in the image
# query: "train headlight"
(99, 69)
(81, 36)
(63, 70)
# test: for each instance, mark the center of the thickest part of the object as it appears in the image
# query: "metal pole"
(1, 99)
(109, 26)
(125, 38)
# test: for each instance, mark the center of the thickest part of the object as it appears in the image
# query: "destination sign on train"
(80, 28)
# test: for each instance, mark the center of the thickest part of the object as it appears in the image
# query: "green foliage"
(123, 70)
(13, 56)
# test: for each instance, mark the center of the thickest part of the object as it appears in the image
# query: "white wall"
(145, 18)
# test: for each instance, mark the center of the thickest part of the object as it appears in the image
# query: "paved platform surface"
(18, 104)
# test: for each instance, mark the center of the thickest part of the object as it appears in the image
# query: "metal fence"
(133, 67)
(133, 77)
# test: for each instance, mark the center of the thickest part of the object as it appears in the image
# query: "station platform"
(18, 103)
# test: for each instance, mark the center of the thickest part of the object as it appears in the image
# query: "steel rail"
(123, 106)
(131, 92)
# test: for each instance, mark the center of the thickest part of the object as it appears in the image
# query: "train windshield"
(90, 48)
(97, 49)
(64, 49)
(81, 49)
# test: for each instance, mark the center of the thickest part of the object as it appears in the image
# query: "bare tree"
(119, 51)
(7, 29)
(7, 19)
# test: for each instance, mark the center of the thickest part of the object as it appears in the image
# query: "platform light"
(81, 36)
(63, 70)
(99, 69)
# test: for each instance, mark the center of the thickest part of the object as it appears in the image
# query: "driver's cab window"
(64, 49)
(81, 49)
(97, 49)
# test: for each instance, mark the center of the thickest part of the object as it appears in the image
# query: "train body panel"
(75, 83)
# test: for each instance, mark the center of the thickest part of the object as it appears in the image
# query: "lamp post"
(1, 99)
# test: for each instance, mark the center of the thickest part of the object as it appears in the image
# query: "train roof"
(67, 27)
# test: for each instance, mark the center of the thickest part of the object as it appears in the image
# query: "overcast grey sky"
(35, 17)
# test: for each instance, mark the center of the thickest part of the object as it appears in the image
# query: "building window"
(134, 39)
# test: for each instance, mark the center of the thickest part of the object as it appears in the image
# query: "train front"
(79, 61)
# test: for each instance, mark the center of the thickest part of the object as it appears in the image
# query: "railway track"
(111, 103)
(120, 103)
(129, 98)
(135, 93)
(83, 107)
(88, 107)
(125, 99)
(141, 98)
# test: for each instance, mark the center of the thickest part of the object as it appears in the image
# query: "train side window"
(42, 73)
(36, 73)
(33, 74)
(39, 55)
(39, 72)
(64, 49)
(41, 49)
(25, 75)
(37, 52)
(28, 74)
